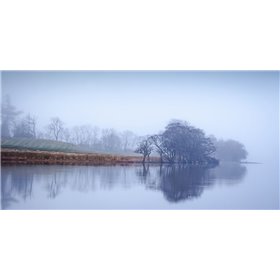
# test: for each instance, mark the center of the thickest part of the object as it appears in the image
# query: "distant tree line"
(229, 150)
(180, 142)
(14, 124)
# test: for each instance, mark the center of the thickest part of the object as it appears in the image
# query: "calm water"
(228, 186)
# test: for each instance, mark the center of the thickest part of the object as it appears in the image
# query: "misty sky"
(238, 105)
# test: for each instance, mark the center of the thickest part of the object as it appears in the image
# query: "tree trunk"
(144, 158)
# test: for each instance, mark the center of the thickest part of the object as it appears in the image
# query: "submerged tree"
(183, 143)
(145, 147)
(157, 141)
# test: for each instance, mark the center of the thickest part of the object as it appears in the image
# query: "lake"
(228, 186)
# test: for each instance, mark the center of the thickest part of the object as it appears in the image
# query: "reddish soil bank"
(9, 156)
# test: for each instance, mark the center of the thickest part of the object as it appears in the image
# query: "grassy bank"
(13, 156)
(38, 145)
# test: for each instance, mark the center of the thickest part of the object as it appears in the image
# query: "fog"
(239, 105)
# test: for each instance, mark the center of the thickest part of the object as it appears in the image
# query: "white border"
(139, 35)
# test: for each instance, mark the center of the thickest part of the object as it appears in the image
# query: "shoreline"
(22, 157)
(250, 162)
(38, 157)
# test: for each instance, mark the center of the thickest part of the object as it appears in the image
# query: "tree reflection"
(53, 186)
(19, 183)
(143, 173)
(181, 182)
(230, 173)
(176, 182)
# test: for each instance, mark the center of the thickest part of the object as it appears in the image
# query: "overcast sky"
(238, 105)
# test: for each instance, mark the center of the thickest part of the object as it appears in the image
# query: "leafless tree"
(110, 140)
(95, 136)
(9, 115)
(159, 147)
(85, 135)
(145, 147)
(25, 127)
(129, 140)
(56, 128)
(32, 125)
(66, 136)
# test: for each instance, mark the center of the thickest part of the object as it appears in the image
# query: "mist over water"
(229, 186)
(105, 107)
(239, 105)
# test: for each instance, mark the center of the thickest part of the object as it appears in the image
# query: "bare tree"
(110, 140)
(32, 125)
(85, 135)
(158, 143)
(9, 116)
(128, 139)
(95, 136)
(66, 136)
(56, 128)
(145, 147)
(25, 127)
(77, 136)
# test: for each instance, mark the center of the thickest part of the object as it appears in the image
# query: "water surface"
(228, 186)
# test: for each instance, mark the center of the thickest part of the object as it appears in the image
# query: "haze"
(240, 105)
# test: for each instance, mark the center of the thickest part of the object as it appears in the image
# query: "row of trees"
(9, 115)
(183, 143)
(179, 142)
(229, 150)
(91, 137)
(15, 124)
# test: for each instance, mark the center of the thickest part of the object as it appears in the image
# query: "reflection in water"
(182, 182)
(20, 183)
(229, 173)
(176, 182)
